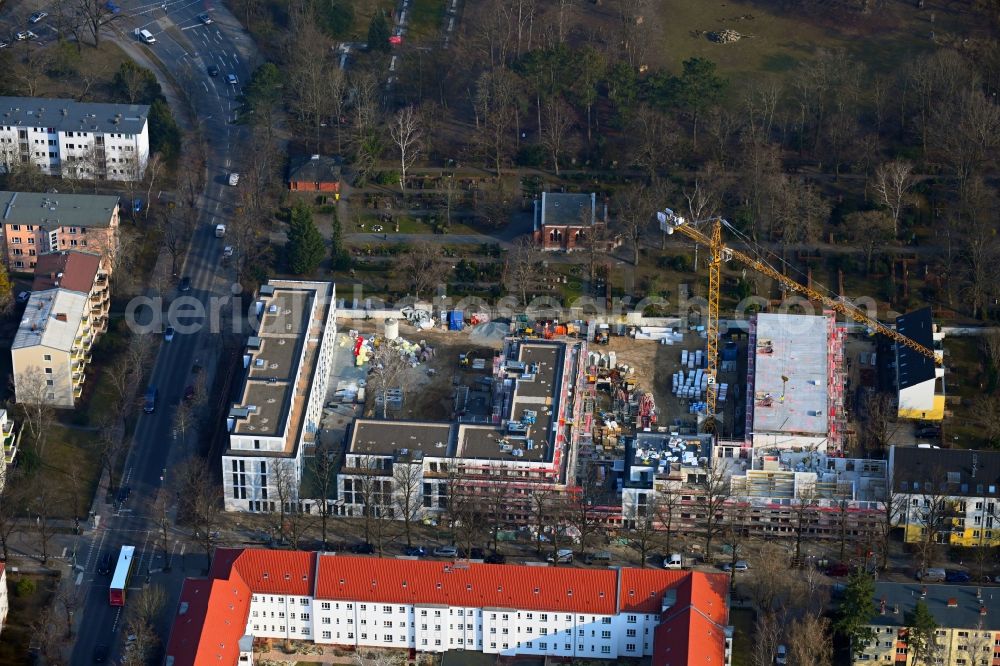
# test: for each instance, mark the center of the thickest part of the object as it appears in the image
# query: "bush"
(387, 178)
(531, 156)
(25, 587)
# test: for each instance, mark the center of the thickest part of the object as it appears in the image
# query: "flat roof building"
(530, 438)
(795, 382)
(286, 371)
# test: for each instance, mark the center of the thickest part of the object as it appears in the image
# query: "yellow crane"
(718, 253)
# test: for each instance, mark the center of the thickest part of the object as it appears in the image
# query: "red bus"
(123, 571)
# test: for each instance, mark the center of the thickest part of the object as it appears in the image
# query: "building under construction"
(528, 447)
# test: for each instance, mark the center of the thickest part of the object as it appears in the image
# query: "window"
(387, 609)
(305, 616)
(543, 646)
(47, 357)
(388, 638)
(605, 634)
(48, 371)
(631, 619)
(325, 605)
(630, 647)
(630, 633)
(605, 620)
(605, 649)
(326, 634)
(325, 620)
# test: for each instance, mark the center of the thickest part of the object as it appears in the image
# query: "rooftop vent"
(952, 602)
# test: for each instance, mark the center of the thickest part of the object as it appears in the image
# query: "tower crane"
(718, 253)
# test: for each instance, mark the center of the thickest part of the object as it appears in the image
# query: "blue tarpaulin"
(455, 322)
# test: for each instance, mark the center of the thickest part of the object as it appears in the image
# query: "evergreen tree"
(857, 610)
(339, 255)
(379, 33)
(6, 291)
(305, 244)
(164, 135)
(921, 638)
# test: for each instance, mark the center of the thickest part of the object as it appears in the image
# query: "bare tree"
(555, 130)
(161, 518)
(31, 66)
(496, 110)
(423, 267)
(713, 493)
(406, 134)
(893, 182)
(32, 392)
(644, 535)
(803, 519)
(42, 508)
(12, 501)
(175, 234)
(634, 212)
(287, 522)
(199, 500)
(325, 464)
(521, 267)
(154, 166)
(70, 599)
(97, 15)
(893, 509)
(387, 369)
(140, 622)
(871, 229)
(407, 481)
(46, 635)
(767, 632)
(809, 641)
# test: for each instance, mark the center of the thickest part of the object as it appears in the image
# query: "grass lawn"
(965, 372)
(73, 456)
(742, 619)
(88, 74)
(777, 41)
(364, 10)
(15, 642)
(425, 19)
(407, 225)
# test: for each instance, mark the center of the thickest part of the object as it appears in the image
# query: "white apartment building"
(287, 366)
(678, 617)
(72, 139)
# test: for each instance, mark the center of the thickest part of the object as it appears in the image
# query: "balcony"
(78, 379)
(11, 437)
(77, 391)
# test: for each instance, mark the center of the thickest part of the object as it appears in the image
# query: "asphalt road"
(185, 47)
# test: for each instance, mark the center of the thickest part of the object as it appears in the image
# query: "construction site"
(625, 414)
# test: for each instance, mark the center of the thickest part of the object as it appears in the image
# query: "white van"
(146, 36)
(220, 230)
(234, 179)
(673, 561)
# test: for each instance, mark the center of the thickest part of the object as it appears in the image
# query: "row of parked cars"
(939, 575)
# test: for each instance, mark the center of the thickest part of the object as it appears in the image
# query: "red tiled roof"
(692, 631)
(476, 585)
(642, 589)
(211, 618)
(78, 271)
(277, 571)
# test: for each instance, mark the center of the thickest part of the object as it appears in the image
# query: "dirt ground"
(429, 388)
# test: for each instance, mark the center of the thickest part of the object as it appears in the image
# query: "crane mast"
(720, 252)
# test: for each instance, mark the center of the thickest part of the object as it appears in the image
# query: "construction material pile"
(414, 353)
(726, 36)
